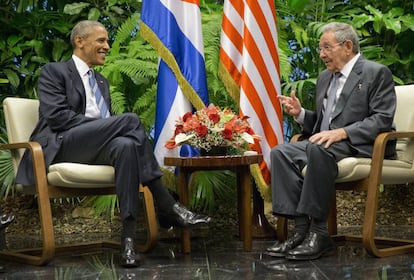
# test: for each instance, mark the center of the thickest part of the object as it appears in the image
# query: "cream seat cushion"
(76, 175)
(352, 169)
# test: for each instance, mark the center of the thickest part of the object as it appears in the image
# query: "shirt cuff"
(300, 119)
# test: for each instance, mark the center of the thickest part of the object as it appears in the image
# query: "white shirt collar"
(349, 65)
(81, 66)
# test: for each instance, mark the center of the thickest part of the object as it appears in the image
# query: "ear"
(348, 45)
(78, 42)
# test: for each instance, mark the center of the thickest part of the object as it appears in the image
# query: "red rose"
(201, 131)
(214, 117)
(186, 116)
(178, 129)
(227, 134)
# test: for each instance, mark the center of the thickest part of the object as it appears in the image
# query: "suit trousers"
(295, 195)
(119, 141)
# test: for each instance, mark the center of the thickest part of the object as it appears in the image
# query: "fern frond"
(128, 29)
(136, 68)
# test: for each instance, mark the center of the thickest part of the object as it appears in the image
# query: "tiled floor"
(217, 255)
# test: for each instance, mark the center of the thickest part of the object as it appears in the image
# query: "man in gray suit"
(75, 126)
(361, 106)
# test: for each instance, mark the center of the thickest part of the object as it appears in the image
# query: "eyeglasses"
(328, 48)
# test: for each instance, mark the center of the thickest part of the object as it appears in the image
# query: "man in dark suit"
(361, 106)
(75, 127)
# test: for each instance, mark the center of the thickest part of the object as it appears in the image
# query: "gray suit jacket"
(62, 106)
(364, 109)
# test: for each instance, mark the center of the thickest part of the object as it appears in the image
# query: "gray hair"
(343, 32)
(83, 29)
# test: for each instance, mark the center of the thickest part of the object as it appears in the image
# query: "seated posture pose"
(76, 125)
(355, 101)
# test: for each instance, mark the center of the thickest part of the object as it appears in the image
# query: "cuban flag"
(173, 28)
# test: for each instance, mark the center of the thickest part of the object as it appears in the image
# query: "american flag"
(173, 28)
(249, 66)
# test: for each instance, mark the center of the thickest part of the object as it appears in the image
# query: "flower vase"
(215, 151)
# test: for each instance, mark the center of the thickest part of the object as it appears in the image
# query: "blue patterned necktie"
(98, 96)
(330, 101)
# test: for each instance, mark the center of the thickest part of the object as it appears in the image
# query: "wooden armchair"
(368, 174)
(62, 180)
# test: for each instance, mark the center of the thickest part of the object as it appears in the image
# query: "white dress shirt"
(91, 110)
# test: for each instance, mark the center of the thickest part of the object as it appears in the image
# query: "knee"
(315, 150)
(123, 145)
(132, 118)
(276, 152)
(131, 121)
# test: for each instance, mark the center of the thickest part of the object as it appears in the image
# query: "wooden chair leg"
(332, 219)
(281, 229)
(38, 256)
(150, 219)
(393, 246)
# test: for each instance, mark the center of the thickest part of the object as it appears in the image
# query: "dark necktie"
(98, 96)
(330, 101)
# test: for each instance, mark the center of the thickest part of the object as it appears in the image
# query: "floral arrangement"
(213, 127)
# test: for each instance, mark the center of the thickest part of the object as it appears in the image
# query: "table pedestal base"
(238, 164)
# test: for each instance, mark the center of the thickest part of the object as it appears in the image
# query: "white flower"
(247, 137)
(182, 137)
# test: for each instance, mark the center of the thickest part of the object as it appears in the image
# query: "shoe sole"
(309, 258)
(274, 254)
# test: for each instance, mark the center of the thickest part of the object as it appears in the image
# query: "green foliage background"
(33, 33)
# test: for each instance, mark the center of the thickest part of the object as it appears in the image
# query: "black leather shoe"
(128, 256)
(181, 217)
(313, 247)
(5, 220)
(279, 249)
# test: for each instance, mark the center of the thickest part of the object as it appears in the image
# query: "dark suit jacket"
(364, 109)
(62, 106)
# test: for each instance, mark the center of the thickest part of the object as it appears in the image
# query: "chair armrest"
(296, 138)
(38, 160)
(379, 151)
(382, 139)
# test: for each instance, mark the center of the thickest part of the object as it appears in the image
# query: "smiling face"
(333, 53)
(92, 47)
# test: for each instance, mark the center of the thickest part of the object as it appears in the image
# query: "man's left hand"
(327, 137)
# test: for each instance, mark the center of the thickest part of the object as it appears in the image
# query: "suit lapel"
(351, 83)
(77, 83)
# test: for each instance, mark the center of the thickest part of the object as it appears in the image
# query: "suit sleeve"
(381, 103)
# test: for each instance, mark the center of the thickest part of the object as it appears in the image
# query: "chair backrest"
(404, 120)
(21, 116)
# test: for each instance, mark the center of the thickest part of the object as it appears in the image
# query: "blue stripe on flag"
(166, 90)
(169, 33)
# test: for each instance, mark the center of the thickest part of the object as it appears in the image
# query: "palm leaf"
(209, 186)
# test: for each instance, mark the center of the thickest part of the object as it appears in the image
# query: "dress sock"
(319, 226)
(129, 226)
(302, 224)
(163, 198)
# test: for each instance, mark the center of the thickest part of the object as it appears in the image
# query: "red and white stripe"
(249, 54)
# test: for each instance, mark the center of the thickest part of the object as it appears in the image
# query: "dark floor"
(217, 255)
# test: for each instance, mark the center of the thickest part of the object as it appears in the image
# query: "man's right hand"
(291, 104)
